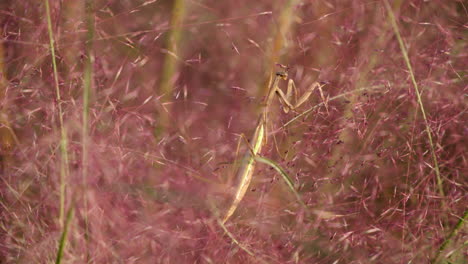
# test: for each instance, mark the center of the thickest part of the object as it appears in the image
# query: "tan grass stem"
(64, 169)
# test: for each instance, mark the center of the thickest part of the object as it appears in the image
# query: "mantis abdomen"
(244, 174)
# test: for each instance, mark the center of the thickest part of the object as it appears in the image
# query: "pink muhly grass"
(149, 170)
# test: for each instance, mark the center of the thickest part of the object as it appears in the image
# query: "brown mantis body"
(259, 137)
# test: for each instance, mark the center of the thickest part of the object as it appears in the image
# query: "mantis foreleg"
(285, 99)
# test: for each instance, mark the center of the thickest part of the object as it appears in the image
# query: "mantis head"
(282, 74)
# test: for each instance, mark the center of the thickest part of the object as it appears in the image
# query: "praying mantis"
(259, 137)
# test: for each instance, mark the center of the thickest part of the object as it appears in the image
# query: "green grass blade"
(449, 238)
(87, 86)
(418, 94)
(283, 174)
(63, 237)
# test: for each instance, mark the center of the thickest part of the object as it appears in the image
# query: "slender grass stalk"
(87, 86)
(231, 236)
(418, 94)
(7, 136)
(64, 169)
(279, 44)
(172, 45)
(63, 237)
(170, 61)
